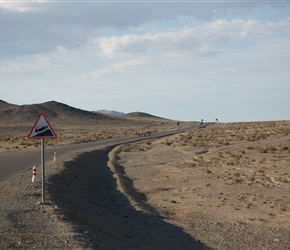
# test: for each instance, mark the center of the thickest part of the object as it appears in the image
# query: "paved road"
(14, 163)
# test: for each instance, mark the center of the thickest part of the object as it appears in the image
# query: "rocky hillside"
(62, 114)
(54, 111)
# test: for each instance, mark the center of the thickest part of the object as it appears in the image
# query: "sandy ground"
(223, 187)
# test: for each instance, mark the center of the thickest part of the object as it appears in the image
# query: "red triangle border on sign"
(54, 136)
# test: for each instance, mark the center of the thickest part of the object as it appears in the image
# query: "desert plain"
(223, 186)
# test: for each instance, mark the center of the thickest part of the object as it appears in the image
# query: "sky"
(182, 60)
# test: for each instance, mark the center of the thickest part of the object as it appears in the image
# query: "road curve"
(14, 163)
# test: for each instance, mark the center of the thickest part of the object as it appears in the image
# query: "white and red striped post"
(34, 178)
(54, 156)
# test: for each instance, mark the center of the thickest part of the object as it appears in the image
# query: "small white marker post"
(54, 156)
(42, 130)
(34, 178)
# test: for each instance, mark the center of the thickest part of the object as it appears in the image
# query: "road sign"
(42, 129)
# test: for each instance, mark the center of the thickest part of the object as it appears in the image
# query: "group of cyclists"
(141, 133)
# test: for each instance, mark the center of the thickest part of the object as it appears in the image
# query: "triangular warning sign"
(42, 129)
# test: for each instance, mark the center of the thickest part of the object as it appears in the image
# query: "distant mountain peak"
(110, 112)
(142, 115)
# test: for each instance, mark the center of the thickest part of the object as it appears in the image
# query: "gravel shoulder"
(84, 209)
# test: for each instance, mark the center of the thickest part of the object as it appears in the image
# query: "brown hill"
(62, 114)
(4, 104)
(54, 111)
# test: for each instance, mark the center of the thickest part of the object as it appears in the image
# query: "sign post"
(42, 130)
(43, 170)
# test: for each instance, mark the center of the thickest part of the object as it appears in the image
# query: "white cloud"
(121, 67)
(21, 6)
(223, 71)
(18, 7)
(198, 40)
(35, 66)
(40, 25)
(61, 49)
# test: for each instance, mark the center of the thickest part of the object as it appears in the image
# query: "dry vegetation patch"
(15, 137)
(228, 172)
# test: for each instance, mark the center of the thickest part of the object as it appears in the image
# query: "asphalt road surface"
(14, 163)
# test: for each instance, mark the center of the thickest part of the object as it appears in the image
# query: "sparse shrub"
(272, 149)
(127, 148)
(283, 179)
(190, 164)
(238, 180)
(249, 205)
(231, 163)
(262, 150)
(252, 178)
(209, 171)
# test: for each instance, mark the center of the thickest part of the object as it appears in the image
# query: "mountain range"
(60, 113)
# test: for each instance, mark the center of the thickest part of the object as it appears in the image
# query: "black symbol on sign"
(42, 131)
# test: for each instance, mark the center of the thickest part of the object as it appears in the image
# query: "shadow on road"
(102, 217)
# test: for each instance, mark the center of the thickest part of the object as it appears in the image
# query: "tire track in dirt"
(126, 185)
